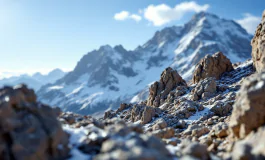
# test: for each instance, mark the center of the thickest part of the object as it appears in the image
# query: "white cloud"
(124, 15)
(249, 22)
(136, 17)
(161, 14)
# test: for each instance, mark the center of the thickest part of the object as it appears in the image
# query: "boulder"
(109, 114)
(258, 46)
(160, 124)
(221, 108)
(248, 113)
(134, 147)
(187, 108)
(252, 147)
(196, 150)
(220, 130)
(169, 80)
(204, 89)
(164, 133)
(142, 113)
(196, 130)
(212, 66)
(29, 129)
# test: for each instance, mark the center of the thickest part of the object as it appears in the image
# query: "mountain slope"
(35, 81)
(105, 77)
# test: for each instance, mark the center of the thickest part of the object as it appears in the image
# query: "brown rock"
(221, 108)
(252, 147)
(248, 113)
(143, 113)
(134, 147)
(220, 130)
(204, 89)
(196, 150)
(159, 90)
(160, 124)
(164, 133)
(148, 114)
(109, 114)
(28, 129)
(212, 66)
(258, 46)
(122, 107)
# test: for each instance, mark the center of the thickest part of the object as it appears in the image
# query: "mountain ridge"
(34, 81)
(111, 75)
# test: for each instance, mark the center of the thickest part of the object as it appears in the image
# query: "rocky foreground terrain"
(220, 114)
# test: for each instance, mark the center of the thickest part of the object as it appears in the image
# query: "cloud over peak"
(249, 22)
(162, 14)
(125, 15)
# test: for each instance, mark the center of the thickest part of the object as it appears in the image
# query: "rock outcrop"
(212, 66)
(28, 129)
(205, 89)
(143, 113)
(158, 91)
(258, 46)
(248, 113)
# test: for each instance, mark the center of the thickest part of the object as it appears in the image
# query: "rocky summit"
(219, 114)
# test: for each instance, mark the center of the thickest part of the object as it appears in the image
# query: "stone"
(142, 113)
(204, 89)
(196, 150)
(109, 114)
(212, 66)
(187, 108)
(221, 108)
(29, 129)
(122, 107)
(164, 133)
(252, 147)
(135, 147)
(196, 130)
(169, 80)
(220, 130)
(160, 124)
(248, 113)
(148, 114)
(258, 46)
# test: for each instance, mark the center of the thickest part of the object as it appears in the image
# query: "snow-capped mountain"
(105, 77)
(34, 81)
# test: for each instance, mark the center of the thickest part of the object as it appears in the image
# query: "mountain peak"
(105, 48)
(204, 14)
(119, 48)
(56, 71)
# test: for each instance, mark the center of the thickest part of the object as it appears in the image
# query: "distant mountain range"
(35, 81)
(105, 77)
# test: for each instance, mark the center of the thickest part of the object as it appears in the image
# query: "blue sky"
(39, 35)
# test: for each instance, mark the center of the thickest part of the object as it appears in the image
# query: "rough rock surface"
(212, 66)
(258, 46)
(248, 113)
(222, 108)
(143, 113)
(252, 147)
(196, 151)
(204, 89)
(28, 129)
(169, 80)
